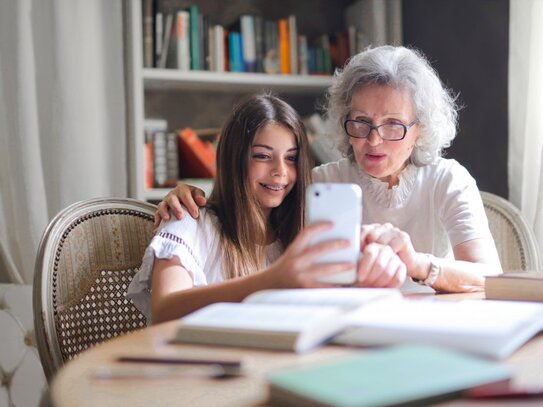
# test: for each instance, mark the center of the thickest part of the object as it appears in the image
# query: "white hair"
(406, 70)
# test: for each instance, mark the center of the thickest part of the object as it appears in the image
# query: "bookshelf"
(203, 99)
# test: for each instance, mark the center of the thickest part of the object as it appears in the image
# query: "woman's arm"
(473, 260)
(191, 197)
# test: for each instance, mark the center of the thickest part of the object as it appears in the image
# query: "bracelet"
(433, 274)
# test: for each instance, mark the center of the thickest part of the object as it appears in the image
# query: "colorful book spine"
(194, 38)
(284, 52)
(148, 53)
(166, 41)
(183, 41)
(303, 55)
(270, 63)
(259, 43)
(218, 48)
(235, 50)
(160, 166)
(247, 26)
(159, 37)
(293, 44)
(172, 159)
(148, 162)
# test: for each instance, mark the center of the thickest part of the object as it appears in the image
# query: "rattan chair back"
(515, 239)
(86, 259)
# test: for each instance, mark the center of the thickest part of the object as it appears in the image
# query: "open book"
(492, 329)
(300, 320)
(290, 319)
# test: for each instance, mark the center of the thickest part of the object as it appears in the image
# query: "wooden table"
(79, 384)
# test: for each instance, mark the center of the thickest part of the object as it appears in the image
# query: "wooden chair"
(515, 239)
(86, 259)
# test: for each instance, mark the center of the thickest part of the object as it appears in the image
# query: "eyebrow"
(271, 148)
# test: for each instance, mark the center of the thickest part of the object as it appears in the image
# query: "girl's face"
(379, 104)
(273, 165)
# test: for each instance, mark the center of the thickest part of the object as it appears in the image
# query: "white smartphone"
(341, 204)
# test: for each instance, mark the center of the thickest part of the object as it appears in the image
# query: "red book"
(148, 164)
(197, 158)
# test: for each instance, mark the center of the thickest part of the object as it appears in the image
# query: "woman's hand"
(297, 267)
(400, 243)
(380, 267)
(191, 197)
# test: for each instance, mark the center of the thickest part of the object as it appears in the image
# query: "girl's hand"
(297, 266)
(400, 243)
(191, 197)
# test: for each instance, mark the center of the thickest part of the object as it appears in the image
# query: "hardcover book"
(284, 48)
(289, 319)
(521, 286)
(402, 375)
(197, 158)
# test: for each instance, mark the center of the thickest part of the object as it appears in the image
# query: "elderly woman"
(394, 118)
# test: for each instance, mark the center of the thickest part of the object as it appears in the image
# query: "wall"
(468, 43)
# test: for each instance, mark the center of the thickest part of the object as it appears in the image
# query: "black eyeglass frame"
(406, 127)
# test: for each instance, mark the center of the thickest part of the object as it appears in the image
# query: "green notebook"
(397, 375)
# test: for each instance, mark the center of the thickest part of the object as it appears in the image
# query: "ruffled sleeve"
(187, 239)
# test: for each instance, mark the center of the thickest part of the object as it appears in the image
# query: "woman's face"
(379, 104)
(273, 165)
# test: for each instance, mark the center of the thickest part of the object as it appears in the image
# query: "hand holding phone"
(341, 204)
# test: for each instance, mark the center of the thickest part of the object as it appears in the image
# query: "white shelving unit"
(143, 85)
(206, 81)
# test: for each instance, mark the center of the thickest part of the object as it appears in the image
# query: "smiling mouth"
(274, 187)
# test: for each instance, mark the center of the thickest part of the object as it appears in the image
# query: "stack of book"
(173, 154)
(161, 162)
(520, 286)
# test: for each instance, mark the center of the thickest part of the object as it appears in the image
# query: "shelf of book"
(161, 85)
(226, 81)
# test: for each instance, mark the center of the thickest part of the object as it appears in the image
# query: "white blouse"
(438, 205)
(195, 243)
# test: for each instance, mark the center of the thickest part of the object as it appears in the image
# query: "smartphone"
(341, 204)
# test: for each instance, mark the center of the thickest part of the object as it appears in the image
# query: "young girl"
(253, 213)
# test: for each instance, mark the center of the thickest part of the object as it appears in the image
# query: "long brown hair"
(242, 223)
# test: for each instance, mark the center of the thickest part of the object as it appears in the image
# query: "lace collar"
(395, 197)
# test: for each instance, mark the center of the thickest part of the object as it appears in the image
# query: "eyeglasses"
(387, 131)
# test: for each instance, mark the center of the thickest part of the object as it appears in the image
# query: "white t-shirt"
(438, 205)
(196, 243)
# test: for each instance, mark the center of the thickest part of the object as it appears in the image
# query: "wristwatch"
(433, 274)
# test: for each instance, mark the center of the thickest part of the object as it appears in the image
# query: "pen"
(179, 361)
(222, 367)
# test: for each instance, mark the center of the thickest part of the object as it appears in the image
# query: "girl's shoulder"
(206, 222)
